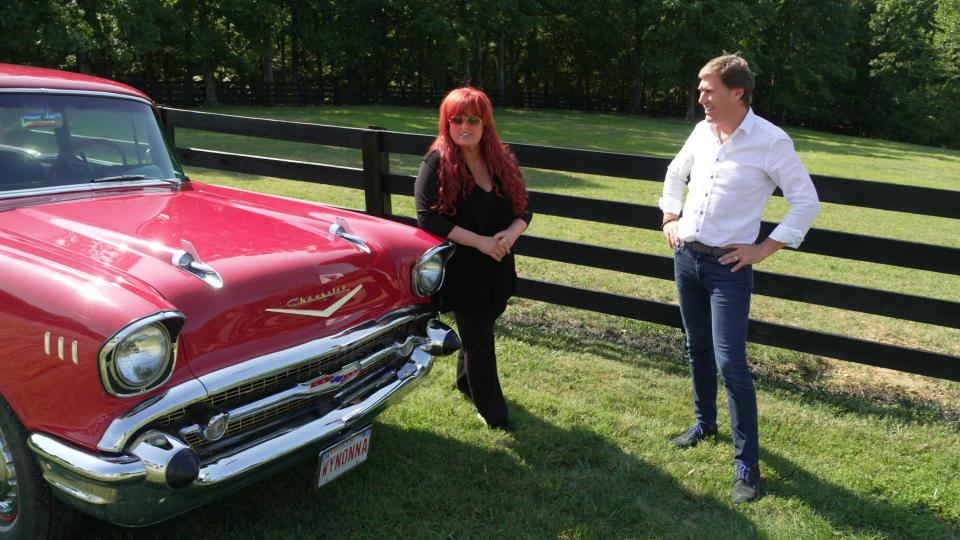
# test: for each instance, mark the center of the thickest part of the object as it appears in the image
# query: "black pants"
(477, 363)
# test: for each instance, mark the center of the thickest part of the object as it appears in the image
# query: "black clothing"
(475, 286)
(473, 280)
(477, 364)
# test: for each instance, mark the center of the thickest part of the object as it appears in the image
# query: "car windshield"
(49, 140)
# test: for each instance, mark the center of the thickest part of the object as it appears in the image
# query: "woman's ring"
(736, 259)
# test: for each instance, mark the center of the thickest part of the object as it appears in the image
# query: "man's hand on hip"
(748, 254)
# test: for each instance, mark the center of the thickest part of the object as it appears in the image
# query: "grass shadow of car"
(540, 481)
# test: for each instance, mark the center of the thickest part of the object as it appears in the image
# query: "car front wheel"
(27, 507)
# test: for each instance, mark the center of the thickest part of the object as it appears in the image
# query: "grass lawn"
(595, 403)
(847, 451)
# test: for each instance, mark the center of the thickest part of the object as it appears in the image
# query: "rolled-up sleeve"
(672, 200)
(786, 170)
(425, 193)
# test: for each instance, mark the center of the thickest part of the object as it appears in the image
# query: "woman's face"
(466, 130)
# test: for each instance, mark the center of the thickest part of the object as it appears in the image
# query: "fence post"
(376, 163)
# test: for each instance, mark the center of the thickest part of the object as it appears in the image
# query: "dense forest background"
(882, 68)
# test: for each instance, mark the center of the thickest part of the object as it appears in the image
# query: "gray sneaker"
(694, 435)
(746, 483)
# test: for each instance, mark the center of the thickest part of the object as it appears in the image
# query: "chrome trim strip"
(60, 347)
(73, 351)
(54, 190)
(99, 468)
(269, 364)
(85, 93)
(46, 343)
(192, 391)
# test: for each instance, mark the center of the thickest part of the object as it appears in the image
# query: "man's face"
(721, 104)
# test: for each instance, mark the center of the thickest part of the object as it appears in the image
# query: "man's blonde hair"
(734, 72)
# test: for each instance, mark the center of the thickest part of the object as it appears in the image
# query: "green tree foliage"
(873, 67)
(805, 57)
(903, 69)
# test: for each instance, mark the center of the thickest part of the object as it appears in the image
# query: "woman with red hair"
(470, 191)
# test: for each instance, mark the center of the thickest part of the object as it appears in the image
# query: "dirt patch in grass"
(856, 387)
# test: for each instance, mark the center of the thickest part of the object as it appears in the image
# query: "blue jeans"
(715, 305)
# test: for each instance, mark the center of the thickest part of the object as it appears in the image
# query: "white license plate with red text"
(343, 456)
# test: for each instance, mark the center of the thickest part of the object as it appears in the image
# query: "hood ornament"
(331, 309)
(188, 260)
(339, 229)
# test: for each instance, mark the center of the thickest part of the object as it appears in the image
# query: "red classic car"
(167, 341)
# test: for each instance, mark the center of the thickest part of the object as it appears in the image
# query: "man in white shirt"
(735, 160)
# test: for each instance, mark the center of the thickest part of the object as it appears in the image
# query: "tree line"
(885, 68)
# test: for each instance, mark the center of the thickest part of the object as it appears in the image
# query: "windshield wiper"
(123, 177)
(120, 177)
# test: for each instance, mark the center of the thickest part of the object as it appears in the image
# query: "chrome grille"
(277, 382)
(295, 375)
(264, 416)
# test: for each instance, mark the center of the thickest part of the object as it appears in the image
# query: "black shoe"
(694, 435)
(746, 483)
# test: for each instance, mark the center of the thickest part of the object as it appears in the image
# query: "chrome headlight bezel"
(434, 257)
(169, 323)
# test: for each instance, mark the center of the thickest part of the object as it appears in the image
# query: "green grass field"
(847, 451)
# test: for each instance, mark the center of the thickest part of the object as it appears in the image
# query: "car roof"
(13, 76)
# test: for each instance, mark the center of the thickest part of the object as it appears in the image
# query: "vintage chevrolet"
(168, 342)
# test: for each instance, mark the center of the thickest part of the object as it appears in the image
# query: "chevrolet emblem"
(322, 312)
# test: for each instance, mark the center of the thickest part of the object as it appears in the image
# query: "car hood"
(273, 259)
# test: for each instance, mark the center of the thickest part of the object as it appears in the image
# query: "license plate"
(343, 456)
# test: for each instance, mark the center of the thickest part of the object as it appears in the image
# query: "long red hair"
(456, 181)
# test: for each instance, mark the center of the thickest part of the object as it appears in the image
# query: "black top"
(473, 280)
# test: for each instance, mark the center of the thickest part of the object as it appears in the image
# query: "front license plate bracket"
(343, 456)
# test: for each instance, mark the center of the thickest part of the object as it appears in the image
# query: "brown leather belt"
(709, 250)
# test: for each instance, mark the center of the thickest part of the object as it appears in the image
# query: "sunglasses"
(472, 120)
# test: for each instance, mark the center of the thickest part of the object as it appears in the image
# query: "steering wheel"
(69, 162)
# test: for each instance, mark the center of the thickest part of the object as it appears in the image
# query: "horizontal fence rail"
(378, 183)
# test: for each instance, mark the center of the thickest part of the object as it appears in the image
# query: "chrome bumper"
(134, 487)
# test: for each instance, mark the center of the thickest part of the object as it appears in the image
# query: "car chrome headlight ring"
(142, 355)
(429, 268)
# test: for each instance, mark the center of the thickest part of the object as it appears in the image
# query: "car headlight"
(428, 270)
(141, 355)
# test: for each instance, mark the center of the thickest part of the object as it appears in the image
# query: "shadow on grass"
(872, 148)
(541, 481)
(543, 179)
(849, 513)
(661, 348)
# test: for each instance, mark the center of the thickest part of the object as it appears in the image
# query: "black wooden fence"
(379, 184)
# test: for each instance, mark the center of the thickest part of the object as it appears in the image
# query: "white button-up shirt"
(730, 184)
